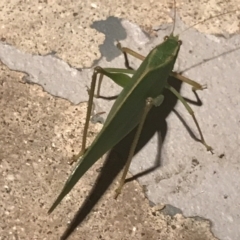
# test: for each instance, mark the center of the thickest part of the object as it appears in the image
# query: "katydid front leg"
(195, 86)
(149, 103)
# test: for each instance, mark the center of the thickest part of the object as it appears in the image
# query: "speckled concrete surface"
(39, 132)
(64, 26)
(37, 135)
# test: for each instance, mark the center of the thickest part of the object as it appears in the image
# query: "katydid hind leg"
(99, 85)
(88, 116)
(149, 103)
(189, 109)
(118, 75)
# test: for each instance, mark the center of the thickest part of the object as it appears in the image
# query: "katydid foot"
(77, 156)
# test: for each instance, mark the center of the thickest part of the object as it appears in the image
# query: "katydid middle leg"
(149, 103)
(189, 109)
(195, 86)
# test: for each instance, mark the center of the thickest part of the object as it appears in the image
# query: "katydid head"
(173, 42)
(171, 37)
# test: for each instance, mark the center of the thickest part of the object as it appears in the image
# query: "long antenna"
(174, 22)
(215, 16)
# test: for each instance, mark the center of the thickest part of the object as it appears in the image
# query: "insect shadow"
(155, 123)
(112, 29)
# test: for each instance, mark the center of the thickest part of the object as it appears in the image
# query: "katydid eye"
(179, 42)
(166, 38)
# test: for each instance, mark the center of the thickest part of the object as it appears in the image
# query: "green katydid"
(140, 92)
